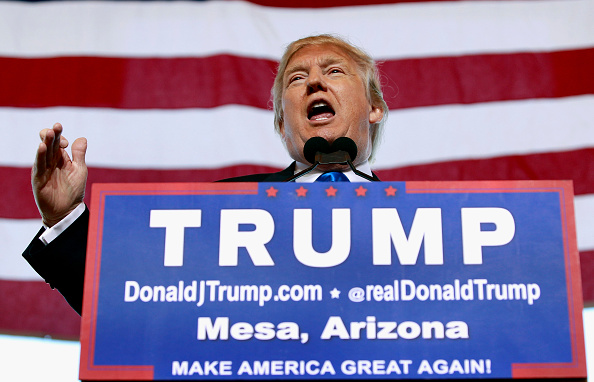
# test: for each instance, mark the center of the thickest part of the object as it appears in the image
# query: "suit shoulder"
(280, 176)
(247, 178)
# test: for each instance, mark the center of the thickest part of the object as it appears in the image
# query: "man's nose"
(315, 81)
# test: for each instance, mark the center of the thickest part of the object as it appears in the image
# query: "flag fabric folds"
(180, 91)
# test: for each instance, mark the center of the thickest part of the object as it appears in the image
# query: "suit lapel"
(281, 176)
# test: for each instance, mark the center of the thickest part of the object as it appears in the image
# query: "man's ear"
(281, 129)
(376, 114)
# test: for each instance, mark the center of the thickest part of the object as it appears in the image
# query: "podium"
(383, 280)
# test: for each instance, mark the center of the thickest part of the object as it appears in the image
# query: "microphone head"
(315, 145)
(345, 144)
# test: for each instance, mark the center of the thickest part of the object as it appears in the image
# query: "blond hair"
(368, 71)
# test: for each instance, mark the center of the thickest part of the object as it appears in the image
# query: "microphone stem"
(311, 168)
(304, 172)
(360, 173)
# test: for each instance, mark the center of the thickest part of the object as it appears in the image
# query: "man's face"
(324, 96)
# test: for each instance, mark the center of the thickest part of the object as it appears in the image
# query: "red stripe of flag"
(32, 308)
(173, 83)
(487, 78)
(18, 201)
(577, 165)
(136, 83)
(587, 266)
(332, 3)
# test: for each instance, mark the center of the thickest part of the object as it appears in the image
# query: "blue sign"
(386, 280)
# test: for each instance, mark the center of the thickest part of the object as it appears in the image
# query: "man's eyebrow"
(295, 68)
(324, 62)
(328, 61)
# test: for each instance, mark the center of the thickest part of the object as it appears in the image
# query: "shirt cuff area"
(51, 233)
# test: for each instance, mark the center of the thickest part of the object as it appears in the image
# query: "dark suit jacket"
(61, 263)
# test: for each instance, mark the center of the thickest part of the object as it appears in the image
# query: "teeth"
(318, 108)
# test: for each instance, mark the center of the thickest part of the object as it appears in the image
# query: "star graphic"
(271, 192)
(390, 191)
(331, 191)
(301, 191)
(335, 293)
(360, 191)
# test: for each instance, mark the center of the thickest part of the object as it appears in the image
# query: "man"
(324, 87)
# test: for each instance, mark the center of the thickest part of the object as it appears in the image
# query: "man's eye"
(295, 78)
(335, 70)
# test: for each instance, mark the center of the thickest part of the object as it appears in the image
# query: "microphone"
(345, 144)
(313, 146)
(318, 151)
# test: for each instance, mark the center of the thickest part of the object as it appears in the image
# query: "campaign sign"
(383, 280)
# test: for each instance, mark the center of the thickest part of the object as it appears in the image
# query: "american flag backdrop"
(179, 91)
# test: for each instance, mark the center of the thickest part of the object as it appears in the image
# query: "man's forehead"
(321, 55)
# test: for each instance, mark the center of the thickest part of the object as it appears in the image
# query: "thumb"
(79, 149)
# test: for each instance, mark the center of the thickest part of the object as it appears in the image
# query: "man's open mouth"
(319, 111)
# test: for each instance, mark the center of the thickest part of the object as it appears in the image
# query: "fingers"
(79, 149)
(53, 141)
(54, 145)
(61, 142)
(40, 159)
(50, 135)
(50, 151)
(58, 183)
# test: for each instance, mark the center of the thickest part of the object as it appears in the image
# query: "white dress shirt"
(314, 174)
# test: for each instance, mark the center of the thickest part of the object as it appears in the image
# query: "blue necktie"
(333, 176)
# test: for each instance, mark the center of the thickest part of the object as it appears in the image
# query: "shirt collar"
(313, 175)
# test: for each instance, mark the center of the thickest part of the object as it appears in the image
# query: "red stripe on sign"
(33, 308)
(575, 165)
(173, 83)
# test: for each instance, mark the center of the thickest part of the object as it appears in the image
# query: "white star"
(335, 293)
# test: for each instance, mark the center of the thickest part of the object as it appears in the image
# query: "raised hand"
(58, 181)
